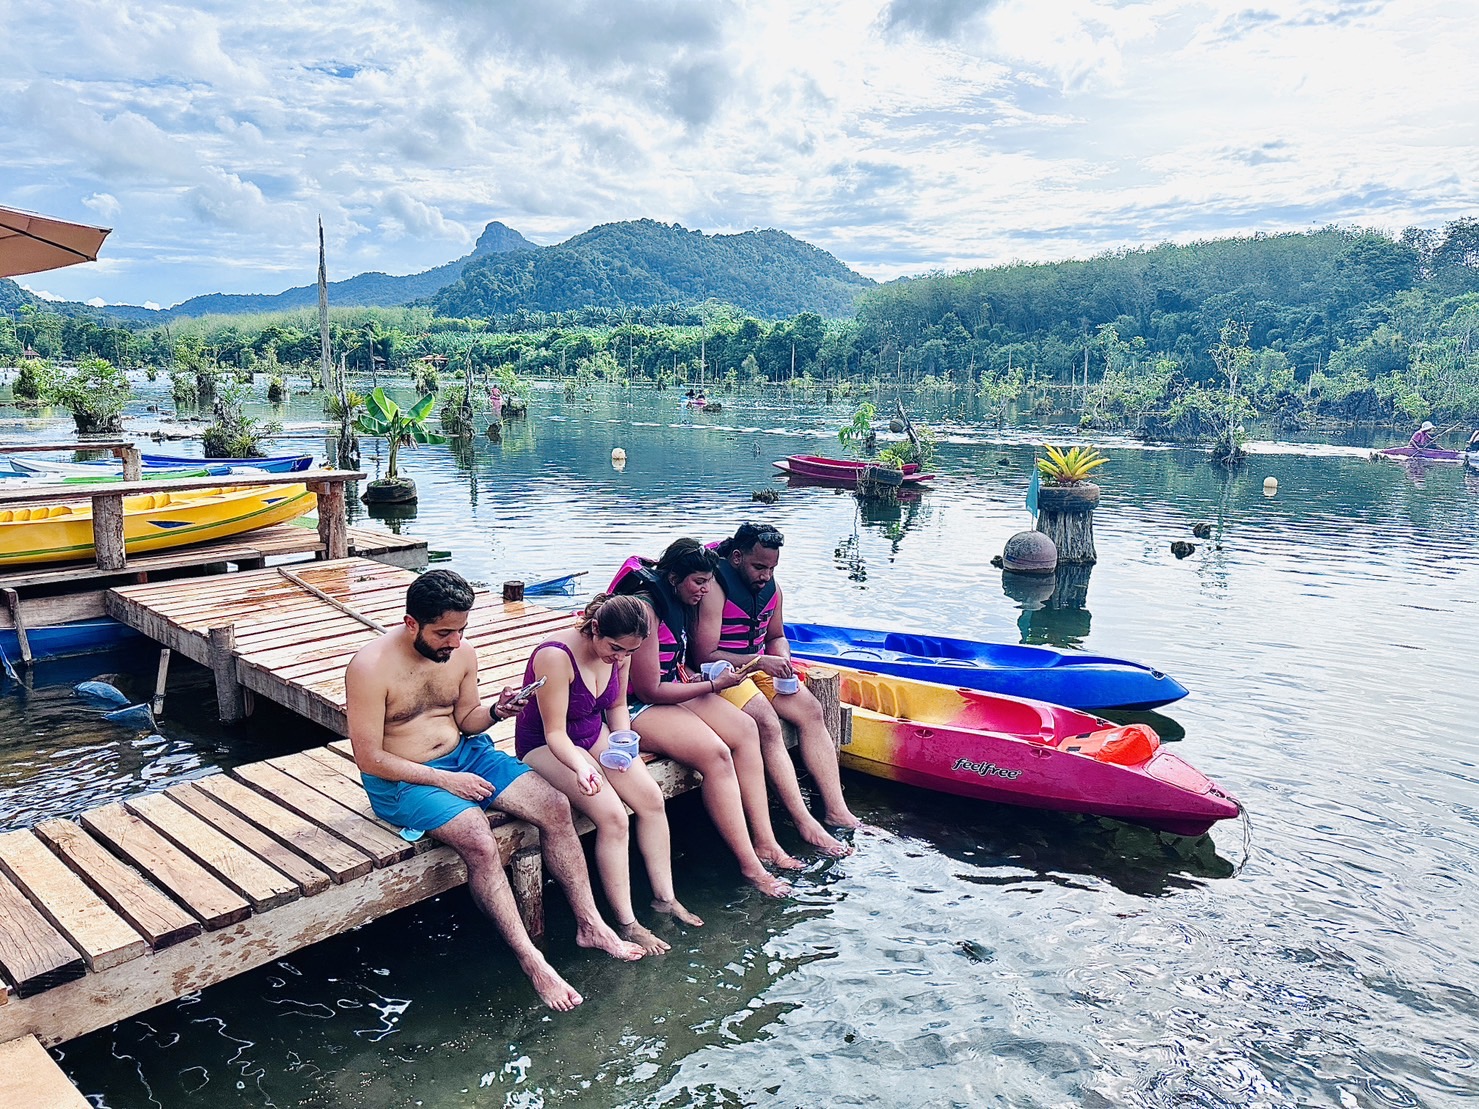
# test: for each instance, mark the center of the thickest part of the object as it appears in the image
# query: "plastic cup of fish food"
(715, 670)
(621, 750)
(788, 685)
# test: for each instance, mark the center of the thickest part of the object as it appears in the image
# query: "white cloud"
(903, 135)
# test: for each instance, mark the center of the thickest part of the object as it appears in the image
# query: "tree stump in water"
(1065, 514)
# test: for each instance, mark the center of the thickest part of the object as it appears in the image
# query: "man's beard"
(425, 649)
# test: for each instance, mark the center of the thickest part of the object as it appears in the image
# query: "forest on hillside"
(1166, 341)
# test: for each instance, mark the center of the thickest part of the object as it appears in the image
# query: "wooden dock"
(138, 903)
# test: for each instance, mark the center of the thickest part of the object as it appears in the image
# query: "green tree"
(95, 391)
(399, 427)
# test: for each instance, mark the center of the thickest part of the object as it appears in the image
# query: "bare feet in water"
(843, 819)
(678, 912)
(774, 854)
(553, 990)
(601, 937)
(644, 939)
(768, 884)
(813, 833)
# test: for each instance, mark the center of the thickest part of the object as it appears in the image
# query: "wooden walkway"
(140, 902)
(264, 635)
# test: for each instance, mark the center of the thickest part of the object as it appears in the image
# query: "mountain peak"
(499, 238)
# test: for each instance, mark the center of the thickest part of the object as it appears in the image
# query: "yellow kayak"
(151, 521)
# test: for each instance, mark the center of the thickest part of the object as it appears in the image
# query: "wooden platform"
(292, 647)
(57, 594)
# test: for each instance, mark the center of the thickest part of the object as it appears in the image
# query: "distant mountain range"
(641, 263)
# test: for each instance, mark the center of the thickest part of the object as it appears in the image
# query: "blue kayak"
(1074, 680)
(277, 464)
(60, 640)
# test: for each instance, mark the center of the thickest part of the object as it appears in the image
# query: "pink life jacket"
(636, 577)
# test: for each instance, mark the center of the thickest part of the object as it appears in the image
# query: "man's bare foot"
(842, 818)
(813, 833)
(768, 884)
(553, 990)
(644, 939)
(674, 909)
(601, 937)
(776, 856)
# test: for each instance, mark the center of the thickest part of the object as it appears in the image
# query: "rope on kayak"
(1247, 838)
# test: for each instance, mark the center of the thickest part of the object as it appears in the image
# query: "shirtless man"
(735, 622)
(416, 724)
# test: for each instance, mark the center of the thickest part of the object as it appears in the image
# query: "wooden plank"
(261, 884)
(383, 846)
(213, 903)
(51, 494)
(33, 954)
(338, 787)
(329, 853)
(309, 878)
(103, 937)
(31, 1079)
(149, 912)
(77, 1008)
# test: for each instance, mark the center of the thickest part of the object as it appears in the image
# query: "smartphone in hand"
(524, 694)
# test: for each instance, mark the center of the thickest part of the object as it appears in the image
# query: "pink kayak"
(1016, 751)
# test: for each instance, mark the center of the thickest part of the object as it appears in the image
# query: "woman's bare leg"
(679, 734)
(742, 737)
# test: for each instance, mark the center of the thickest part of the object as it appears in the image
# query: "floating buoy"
(1030, 552)
(618, 454)
(1270, 486)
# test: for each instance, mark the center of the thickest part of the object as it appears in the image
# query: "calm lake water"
(1321, 955)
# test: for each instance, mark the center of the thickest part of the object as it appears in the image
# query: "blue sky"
(904, 136)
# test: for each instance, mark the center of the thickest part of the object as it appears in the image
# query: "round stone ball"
(1030, 552)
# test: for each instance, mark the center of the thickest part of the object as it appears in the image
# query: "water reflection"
(1054, 606)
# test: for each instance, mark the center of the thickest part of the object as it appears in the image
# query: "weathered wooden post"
(1065, 514)
(107, 531)
(513, 591)
(132, 463)
(333, 520)
(229, 700)
(526, 876)
(826, 686)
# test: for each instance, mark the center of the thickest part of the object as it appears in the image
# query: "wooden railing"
(126, 451)
(107, 504)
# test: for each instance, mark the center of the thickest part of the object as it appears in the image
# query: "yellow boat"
(151, 521)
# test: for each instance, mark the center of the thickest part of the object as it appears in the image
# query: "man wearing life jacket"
(743, 618)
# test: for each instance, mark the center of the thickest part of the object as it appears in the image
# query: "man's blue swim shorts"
(423, 808)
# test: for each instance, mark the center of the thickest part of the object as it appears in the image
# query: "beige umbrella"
(30, 243)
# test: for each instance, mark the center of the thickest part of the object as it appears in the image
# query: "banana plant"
(384, 419)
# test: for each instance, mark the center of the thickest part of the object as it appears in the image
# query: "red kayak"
(1425, 454)
(840, 470)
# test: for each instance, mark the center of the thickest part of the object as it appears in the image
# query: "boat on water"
(63, 640)
(45, 533)
(1016, 751)
(274, 464)
(1424, 454)
(1063, 678)
(49, 469)
(841, 470)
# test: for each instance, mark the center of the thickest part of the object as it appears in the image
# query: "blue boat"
(61, 640)
(276, 464)
(1041, 673)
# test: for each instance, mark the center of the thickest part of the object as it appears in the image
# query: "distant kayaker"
(416, 724)
(737, 620)
(1425, 437)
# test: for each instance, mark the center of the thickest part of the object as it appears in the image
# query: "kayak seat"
(1129, 745)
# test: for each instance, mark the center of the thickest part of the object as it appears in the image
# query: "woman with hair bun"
(562, 734)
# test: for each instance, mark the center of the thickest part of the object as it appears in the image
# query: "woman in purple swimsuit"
(562, 733)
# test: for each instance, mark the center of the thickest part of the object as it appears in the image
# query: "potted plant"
(1066, 501)
(385, 419)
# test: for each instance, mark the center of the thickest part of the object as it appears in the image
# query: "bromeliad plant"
(398, 426)
(1069, 467)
